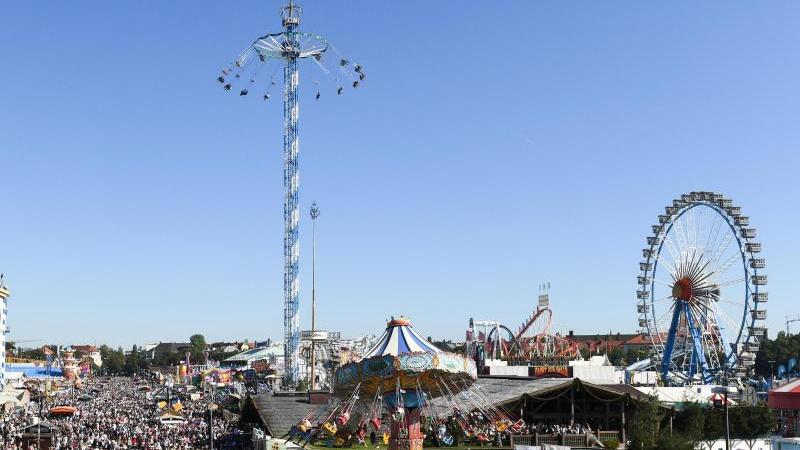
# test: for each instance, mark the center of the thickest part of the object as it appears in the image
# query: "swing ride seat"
(330, 428)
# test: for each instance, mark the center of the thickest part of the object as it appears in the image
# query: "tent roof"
(400, 338)
(258, 353)
(279, 413)
(508, 390)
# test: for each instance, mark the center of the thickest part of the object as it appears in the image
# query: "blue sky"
(493, 146)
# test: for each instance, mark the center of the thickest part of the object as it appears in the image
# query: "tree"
(113, 360)
(778, 350)
(673, 441)
(749, 423)
(132, 361)
(635, 354)
(690, 422)
(197, 348)
(713, 427)
(616, 356)
(645, 424)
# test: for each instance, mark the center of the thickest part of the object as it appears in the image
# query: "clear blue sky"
(494, 146)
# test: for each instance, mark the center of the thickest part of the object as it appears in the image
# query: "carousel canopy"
(402, 358)
(400, 338)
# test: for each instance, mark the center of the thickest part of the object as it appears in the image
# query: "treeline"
(654, 428)
(778, 350)
(120, 362)
(32, 353)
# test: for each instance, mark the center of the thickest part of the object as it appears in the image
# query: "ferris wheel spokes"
(697, 330)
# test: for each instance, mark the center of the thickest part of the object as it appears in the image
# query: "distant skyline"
(489, 150)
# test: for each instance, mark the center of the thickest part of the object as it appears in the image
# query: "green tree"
(779, 350)
(713, 427)
(617, 357)
(113, 360)
(198, 348)
(645, 425)
(749, 423)
(635, 354)
(690, 422)
(34, 353)
(132, 361)
(673, 441)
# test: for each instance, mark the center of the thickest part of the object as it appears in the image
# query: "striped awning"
(400, 338)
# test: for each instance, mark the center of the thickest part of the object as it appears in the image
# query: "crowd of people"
(559, 429)
(117, 413)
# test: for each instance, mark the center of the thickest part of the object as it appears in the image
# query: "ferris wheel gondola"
(701, 297)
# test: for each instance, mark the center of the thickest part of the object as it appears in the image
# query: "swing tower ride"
(287, 48)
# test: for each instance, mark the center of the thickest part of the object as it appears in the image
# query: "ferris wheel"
(701, 297)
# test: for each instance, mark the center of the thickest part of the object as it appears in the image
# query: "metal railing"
(570, 440)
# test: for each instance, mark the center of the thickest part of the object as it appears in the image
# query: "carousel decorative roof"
(404, 358)
(400, 338)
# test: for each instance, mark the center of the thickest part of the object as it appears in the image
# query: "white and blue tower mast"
(291, 183)
(287, 48)
(4, 293)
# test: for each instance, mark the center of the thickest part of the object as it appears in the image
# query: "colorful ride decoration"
(535, 341)
(216, 375)
(70, 366)
(402, 372)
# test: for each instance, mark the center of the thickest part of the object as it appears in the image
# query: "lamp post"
(725, 390)
(771, 372)
(314, 215)
(211, 407)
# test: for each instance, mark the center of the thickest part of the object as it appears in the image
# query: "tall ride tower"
(287, 48)
(4, 293)
(291, 183)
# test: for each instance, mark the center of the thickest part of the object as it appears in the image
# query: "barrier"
(567, 440)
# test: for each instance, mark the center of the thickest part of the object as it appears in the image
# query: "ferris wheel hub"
(683, 289)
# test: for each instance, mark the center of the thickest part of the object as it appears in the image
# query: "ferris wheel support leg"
(697, 343)
(670, 346)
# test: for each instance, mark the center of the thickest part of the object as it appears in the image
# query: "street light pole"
(771, 373)
(314, 215)
(211, 407)
(725, 390)
(727, 420)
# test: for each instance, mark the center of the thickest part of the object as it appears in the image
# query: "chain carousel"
(402, 374)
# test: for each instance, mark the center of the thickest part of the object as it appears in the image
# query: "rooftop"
(790, 387)
(257, 353)
(279, 413)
